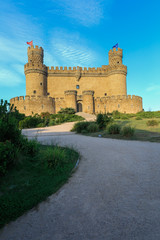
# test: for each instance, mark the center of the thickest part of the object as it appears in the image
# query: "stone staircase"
(87, 116)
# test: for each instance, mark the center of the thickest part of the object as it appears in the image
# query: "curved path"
(114, 194)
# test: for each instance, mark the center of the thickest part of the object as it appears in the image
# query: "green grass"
(32, 181)
(142, 131)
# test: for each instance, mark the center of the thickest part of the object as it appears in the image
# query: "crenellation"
(101, 89)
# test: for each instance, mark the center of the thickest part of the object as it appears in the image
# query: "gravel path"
(113, 195)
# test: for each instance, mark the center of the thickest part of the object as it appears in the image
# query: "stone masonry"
(90, 90)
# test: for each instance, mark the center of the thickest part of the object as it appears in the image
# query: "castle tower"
(71, 99)
(36, 72)
(88, 101)
(118, 72)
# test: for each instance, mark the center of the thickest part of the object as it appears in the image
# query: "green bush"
(9, 130)
(103, 120)
(67, 111)
(150, 114)
(81, 126)
(138, 118)
(124, 117)
(54, 156)
(127, 131)
(30, 122)
(51, 122)
(93, 127)
(31, 147)
(152, 123)
(8, 155)
(113, 129)
(116, 114)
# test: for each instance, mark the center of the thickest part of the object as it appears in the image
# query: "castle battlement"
(27, 97)
(115, 51)
(73, 70)
(87, 89)
(35, 49)
(119, 97)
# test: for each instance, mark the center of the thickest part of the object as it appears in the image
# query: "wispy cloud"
(16, 29)
(87, 13)
(153, 88)
(9, 78)
(71, 50)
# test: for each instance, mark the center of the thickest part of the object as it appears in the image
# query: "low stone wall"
(33, 104)
(123, 104)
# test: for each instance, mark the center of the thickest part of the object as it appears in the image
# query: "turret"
(115, 56)
(118, 72)
(36, 72)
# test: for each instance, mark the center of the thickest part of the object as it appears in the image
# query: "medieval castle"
(92, 90)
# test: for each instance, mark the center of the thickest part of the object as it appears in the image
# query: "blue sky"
(74, 32)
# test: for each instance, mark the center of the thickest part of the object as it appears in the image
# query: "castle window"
(88, 107)
(34, 91)
(105, 94)
(77, 86)
(42, 106)
(48, 93)
(24, 107)
(118, 105)
(41, 83)
(117, 62)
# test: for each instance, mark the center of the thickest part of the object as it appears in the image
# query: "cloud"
(153, 88)
(71, 50)
(9, 78)
(87, 13)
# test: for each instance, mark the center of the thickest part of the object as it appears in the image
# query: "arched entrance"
(79, 106)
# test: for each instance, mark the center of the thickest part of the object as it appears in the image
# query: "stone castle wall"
(33, 104)
(93, 90)
(124, 104)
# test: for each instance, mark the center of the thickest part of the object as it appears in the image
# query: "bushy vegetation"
(46, 119)
(127, 131)
(113, 128)
(33, 179)
(103, 120)
(152, 123)
(28, 173)
(81, 127)
(149, 114)
(67, 111)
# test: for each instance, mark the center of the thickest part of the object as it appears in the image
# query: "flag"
(115, 46)
(30, 43)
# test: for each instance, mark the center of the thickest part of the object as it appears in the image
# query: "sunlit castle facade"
(89, 90)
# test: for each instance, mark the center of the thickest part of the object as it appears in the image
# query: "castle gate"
(79, 106)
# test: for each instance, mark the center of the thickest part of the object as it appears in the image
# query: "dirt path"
(113, 195)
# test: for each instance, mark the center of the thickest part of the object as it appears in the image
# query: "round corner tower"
(118, 72)
(36, 72)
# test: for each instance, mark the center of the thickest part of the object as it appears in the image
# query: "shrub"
(54, 156)
(80, 126)
(116, 114)
(9, 130)
(51, 122)
(67, 111)
(31, 147)
(114, 129)
(124, 117)
(152, 123)
(30, 122)
(103, 120)
(93, 127)
(138, 118)
(149, 114)
(127, 131)
(8, 155)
